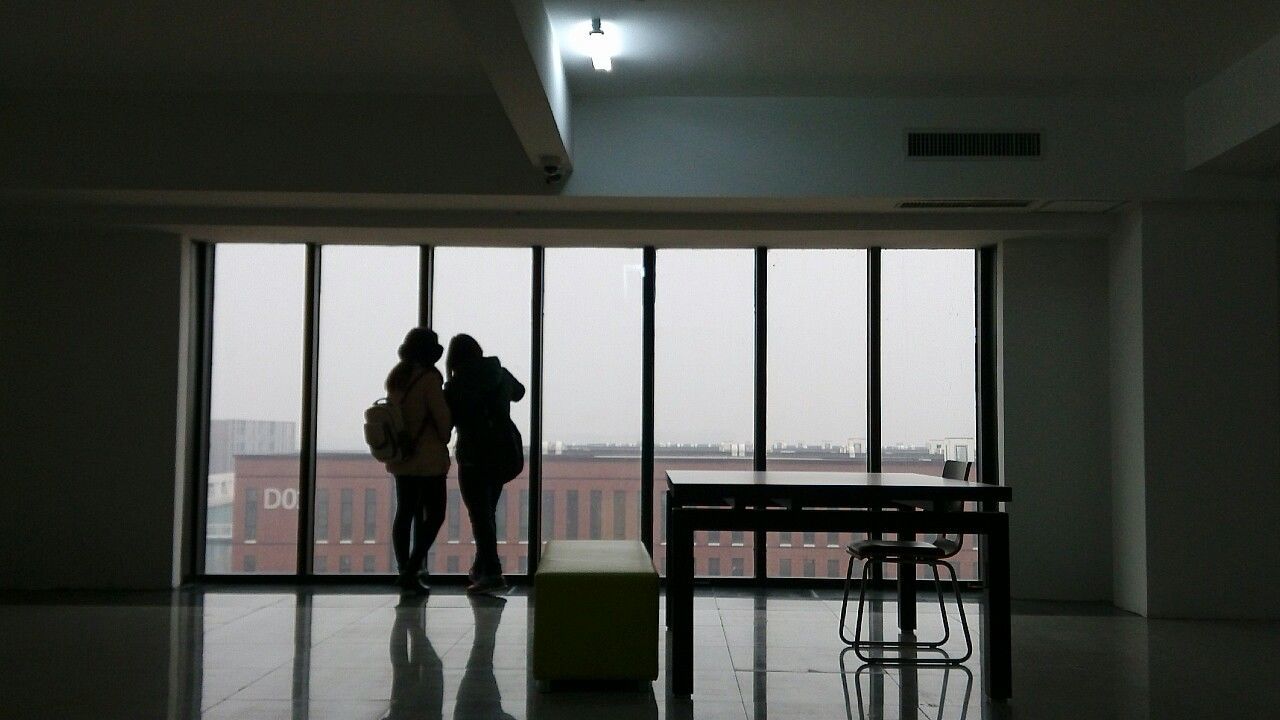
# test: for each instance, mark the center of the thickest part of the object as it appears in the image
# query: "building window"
(962, 453)
(251, 515)
(704, 324)
(833, 539)
(322, 564)
(250, 563)
(455, 515)
(369, 564)
(784, 567)
(810, 568)
(346, 510)
(619, 515)
(928, 362)
(523, 563)
(344, 563)
(322, 515)
(736, 538)
(713, 566)
(817, 350)
(736, 567)
(833, 568)
(713, 537)
(522, 519)
(370, 514)
(451, 564)
(597, 500)
(548, 515)
(257, 342)
(571, 514)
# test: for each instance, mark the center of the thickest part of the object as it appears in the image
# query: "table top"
(811, 485)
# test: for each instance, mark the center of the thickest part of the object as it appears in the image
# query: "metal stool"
(909, 553)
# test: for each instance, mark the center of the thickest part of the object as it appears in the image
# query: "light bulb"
(598, 48)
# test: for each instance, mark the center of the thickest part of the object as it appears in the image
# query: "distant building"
(228, 438)
(588, 492)
(955, 448)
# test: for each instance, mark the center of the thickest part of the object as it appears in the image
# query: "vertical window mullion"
(426, 284)
(204, 256)
(537, 268)
(874, 433)
(647, 480)
(758, 455)
(307, 464)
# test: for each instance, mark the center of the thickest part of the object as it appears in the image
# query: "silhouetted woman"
(480, 392)
(420, 492)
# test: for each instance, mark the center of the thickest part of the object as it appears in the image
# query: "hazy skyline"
(592, 343)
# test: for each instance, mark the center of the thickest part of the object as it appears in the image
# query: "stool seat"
(881, 549)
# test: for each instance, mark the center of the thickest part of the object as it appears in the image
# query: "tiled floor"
(362, 654)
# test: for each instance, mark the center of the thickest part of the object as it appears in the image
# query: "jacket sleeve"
(517, 389)
(437, 408)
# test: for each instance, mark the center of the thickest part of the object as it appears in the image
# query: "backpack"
(386, 432)
(504, 449)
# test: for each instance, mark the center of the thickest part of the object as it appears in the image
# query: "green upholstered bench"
(595, 612)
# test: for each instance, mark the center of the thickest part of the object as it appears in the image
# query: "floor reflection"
(417, 684)
(478, 695)
(363, 655)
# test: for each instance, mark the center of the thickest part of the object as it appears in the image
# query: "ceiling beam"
(517, 47)
(1233, 121)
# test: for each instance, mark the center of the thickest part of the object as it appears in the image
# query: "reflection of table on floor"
(826, 501)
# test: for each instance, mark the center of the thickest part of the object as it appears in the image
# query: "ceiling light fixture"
(599, 48)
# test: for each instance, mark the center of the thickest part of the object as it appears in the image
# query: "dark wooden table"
(837, 502)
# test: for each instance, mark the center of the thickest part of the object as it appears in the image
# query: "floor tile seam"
(242, 688)
(252, 612)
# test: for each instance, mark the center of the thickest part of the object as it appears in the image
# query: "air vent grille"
(973, 144)
(963, 204)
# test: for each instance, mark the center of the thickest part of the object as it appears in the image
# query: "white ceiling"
(913, 47)
(670, 47)
(396, 46)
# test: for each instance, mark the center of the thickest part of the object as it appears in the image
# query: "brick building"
(588, 492)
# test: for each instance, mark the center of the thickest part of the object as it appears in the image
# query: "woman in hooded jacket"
(420, 478)
(479, 392)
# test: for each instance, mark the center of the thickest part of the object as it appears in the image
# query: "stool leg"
(862, 600)
(844, 603)
(964, 622)
(946, 626)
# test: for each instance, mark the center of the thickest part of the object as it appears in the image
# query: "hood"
(480, 379)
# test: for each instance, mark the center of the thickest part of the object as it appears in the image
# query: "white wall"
(1127, 451)
(91, 335)
(1052, 325)
(1211, 376)
(855, 147)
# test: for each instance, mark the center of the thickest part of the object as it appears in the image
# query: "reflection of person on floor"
(417, 684)
(478, 695)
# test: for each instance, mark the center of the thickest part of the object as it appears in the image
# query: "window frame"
(203, 272)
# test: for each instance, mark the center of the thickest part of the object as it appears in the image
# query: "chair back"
(950, 543)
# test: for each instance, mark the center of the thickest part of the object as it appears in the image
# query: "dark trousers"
(480, 492)
(420, 508)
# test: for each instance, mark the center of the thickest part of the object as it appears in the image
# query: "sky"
(704, 321)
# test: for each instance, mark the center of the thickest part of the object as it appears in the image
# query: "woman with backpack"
(489, 451)
(417, 386)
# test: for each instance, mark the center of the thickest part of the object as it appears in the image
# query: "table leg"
(680, 602)
(907, 592)
(667, 549)
(997, 651)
